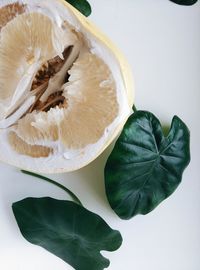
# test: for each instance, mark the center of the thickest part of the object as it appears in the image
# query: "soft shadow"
(91, 179)
(87, 183)
(10, 191)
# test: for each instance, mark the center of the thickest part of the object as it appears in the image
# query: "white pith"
(64, 159)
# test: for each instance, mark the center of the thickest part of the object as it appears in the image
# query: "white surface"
(161, 41)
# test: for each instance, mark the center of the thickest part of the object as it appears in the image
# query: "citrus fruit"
(65, 90)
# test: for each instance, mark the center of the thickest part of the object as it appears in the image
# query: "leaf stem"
(134, 108)
(73, 196)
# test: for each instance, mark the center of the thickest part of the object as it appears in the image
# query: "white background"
(162, 43)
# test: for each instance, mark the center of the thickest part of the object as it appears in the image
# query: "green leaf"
(184, 2)
(67, 230)
(82, 5)
(145, 167)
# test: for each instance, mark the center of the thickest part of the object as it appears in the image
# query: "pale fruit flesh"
(70, 91)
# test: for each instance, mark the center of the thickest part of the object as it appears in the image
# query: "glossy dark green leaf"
(184, 2)
(82, 5)
(145, 167)
(67, 230)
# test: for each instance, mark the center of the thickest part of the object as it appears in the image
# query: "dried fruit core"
(53, 100)
(41, 81)
(49, 69)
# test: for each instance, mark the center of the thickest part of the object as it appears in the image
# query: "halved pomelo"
(65, 90)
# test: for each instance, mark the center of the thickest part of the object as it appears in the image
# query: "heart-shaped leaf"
(67, 230)
(185, 2)
(145, 167)
(82, 5)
